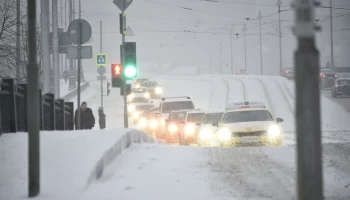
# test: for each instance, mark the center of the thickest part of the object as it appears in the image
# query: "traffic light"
(117, 78)
(108, 90)
(130, 69)
(128, 90)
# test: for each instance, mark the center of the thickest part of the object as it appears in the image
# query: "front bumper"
(251, 141)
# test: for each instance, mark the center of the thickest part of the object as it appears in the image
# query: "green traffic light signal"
(130, 71)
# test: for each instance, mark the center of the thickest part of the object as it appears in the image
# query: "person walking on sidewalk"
(87, 119)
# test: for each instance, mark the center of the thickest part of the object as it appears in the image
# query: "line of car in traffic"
(177, 120)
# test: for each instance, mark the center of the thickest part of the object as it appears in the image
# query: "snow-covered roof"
(175, 99)
(195, 112)
(141, 104)
(246, 104)
(245, 109)
(182, 110)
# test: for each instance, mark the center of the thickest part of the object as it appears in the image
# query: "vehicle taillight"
(238, 72)
(287, 72)
(246, 73)
(322, 75)
(336, 85)
(335, 75)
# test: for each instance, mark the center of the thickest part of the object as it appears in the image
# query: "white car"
(136, 109)
(138, 95)
(154, 89)
(249, 124)
(206, 132)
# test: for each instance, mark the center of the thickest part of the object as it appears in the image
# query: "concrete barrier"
(110, 155)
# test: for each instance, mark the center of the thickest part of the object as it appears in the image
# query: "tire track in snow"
(244, 89)
(256, 90)
(227, 90)
(284, 95)
(272, 108)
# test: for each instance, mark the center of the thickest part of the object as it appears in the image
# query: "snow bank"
(69, 160)
(183, 71)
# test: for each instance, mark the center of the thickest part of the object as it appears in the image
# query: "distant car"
(139, 81)
(341, 88)
(189, 129)
(206, 136)
(137, 110)
(248, 124)
(170, 130)
(242, 72)
(138, 95)
(154, 89)
(287, 73)
(327, 77)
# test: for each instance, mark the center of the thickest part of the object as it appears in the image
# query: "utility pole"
(79, 69)
(279, 3)
(309, 148)
(245, 47)
(33, 116)
(18, 40)
(101, 52)
(231, 32)
(65, 29)
(72, 74)
(55, 49)
(126, 120)
(331, 15)
(61, 26)
(261, 57)
(45, 29)
(221, 71)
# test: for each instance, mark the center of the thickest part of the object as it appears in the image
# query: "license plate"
(250, 140)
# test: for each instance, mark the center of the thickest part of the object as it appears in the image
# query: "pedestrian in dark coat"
(87, 119)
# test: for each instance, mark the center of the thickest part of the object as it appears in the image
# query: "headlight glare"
(131, 108)
(143, 122)
(205, 133)
(136, 115)
(158, 90)
(224, 134)
(172, 128)
(153, 124)
(274, 131)
(147, 96)
(190, 128)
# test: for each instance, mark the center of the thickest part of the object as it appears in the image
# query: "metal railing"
(55, 114)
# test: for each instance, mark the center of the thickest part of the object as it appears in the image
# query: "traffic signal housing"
(130, 64)
(117, 75)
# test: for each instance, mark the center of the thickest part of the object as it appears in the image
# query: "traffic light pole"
(309, 149)
(126, 122)
(101, 52)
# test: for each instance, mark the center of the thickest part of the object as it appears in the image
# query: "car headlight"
(205, 133)
(153, 124)
(137, 85)
(147, 96)
(143, 122)
(274, 131)
(130, 97)
(224, 134)
(131, 108)
(190, 128)
(158, 90)
(172, 128)
(136, 115)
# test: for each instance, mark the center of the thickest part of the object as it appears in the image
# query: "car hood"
(249, 126)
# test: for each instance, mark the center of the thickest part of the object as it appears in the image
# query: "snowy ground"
(159, 171)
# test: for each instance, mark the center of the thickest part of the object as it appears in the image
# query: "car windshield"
(138, 90)
(195, 117)
(178, 105)
(212, 117)
(143, 107)
(150, 84)
(139, 100)
(247, 116)
(342, 82)
(176, 116)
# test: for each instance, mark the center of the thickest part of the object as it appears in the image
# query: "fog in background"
(161, 29)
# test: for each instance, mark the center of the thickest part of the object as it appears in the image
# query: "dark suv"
(341, 87)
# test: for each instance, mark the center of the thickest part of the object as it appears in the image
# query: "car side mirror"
(215, 124)
(279, 120)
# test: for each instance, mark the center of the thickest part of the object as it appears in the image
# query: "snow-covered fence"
(55, 114)
(123, 143)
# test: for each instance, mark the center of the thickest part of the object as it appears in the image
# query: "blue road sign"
(101, 59)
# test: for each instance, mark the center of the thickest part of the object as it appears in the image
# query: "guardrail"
(55, 114)
(73, 93)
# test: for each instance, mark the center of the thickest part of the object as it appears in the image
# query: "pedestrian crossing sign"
(101, 59)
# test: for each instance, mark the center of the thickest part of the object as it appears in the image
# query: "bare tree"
(8, 40)
(7, 37)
